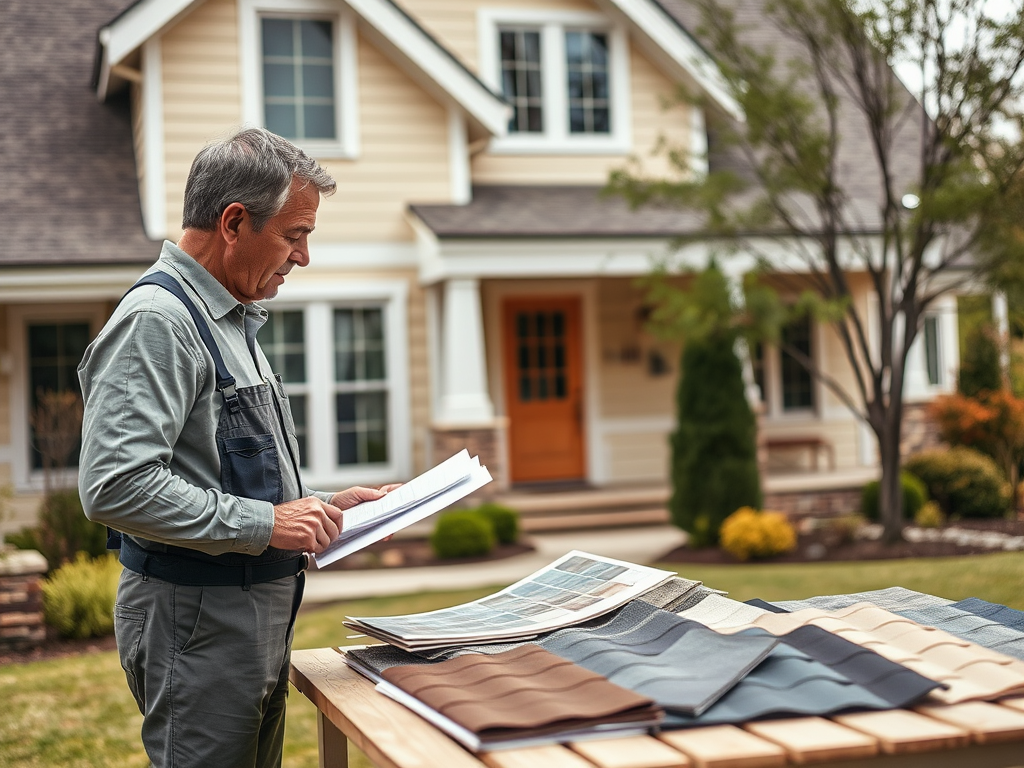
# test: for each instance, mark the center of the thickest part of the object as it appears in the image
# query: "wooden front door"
(544, 388)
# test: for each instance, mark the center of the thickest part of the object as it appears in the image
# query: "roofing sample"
(985, 632)
(684, 666)
(970, 671)
(519, 693)
(892, 599)
(721, 613)
(1008, 617)
(673, 591)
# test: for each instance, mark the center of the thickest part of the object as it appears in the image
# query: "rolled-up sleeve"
(140, 380)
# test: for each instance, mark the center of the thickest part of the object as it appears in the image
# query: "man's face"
(257, 263)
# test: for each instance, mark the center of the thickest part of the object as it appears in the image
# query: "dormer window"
(566, 76)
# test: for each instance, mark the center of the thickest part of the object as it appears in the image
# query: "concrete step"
(536, 523)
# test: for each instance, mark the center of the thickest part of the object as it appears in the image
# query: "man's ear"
(231, 221)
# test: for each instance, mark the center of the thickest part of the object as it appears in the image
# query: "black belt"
(188, 572)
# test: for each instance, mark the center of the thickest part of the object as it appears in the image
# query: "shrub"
(714, 452)
(749, 534)
(503, 520)
(980, 370)
(929, 516)
(915, 494)
(963, 481)
(462, 534)
(63, 530)
(991, 422)
(78, 598)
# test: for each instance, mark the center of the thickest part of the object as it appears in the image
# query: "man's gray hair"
(255, 168)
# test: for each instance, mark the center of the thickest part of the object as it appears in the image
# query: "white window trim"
(318, 300)
(771, 375)
(556, 138)
(916, 386)
(346, 78)
(26, 479)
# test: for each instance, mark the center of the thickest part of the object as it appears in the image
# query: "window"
(566, 75)
(932, 348)
(298, 78)
(298, 73)
(797, 384)
(343, 367)
(54, 352)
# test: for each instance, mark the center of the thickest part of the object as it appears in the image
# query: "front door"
(544, 388)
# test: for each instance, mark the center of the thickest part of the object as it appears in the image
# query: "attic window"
(298, 78)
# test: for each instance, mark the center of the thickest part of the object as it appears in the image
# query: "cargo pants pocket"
(129, 624)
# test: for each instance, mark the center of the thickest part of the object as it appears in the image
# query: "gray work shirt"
(149, 465)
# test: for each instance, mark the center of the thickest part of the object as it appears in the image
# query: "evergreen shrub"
(965, 482)
(915, 494)
(980, 370)
(751, 534)
(714, 451)
(503, 520)
(78, 598)
(462, 534)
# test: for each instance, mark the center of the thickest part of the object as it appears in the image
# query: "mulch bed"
(829, 544)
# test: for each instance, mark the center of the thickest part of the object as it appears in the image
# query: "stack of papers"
(431, 492)
(575, 588)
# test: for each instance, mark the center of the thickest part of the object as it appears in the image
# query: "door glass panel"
(541, 355)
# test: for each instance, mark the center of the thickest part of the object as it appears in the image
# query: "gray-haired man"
(188, 450)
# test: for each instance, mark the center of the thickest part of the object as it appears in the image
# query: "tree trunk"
(890, 498)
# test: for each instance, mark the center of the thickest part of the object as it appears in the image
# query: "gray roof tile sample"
(987, 633)
(684, 666)
(892, 599)
(673, 591)
(1008, 617)
(788, 682)
(69, 193)
(692, 598)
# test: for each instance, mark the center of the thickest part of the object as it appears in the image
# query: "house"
(469, 285)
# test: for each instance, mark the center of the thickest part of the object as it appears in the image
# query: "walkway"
(636, 545)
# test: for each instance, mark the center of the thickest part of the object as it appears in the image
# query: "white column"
(1001, 317)
(464, 399)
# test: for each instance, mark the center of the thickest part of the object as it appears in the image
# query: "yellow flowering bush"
(751, 534)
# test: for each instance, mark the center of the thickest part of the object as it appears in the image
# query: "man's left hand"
(357, 495)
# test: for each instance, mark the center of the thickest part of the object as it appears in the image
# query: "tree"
(714, 447)
(842, 165)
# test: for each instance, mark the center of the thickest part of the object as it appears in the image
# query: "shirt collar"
(219, 302)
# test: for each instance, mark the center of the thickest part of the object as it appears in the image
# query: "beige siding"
(454, 22)
(403, 157)
(5, 385)
(637, 457)
(403, 131)
(200, 90)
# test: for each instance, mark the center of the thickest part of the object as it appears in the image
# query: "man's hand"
(357, 495)
(307, 524)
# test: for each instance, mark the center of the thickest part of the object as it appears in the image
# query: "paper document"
(435, 489)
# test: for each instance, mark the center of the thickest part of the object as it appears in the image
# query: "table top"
(980, 734)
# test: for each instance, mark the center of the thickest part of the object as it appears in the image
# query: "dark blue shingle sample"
(1008, 617)
(684, 666)
(788, 682)
(979, 630)
(765, 605)
(893, 682)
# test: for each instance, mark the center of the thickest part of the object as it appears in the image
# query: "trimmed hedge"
(915, 494)
(505, 521)
(462, 534)
(965, 482)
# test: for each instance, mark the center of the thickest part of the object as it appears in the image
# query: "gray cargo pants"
(208, 667)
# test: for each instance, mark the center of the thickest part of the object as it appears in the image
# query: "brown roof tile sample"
(68, 189)
(523, 690)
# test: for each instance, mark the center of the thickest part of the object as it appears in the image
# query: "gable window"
(298, 73)
(566, 76)
(342, 367)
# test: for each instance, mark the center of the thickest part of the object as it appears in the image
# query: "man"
(188, 450)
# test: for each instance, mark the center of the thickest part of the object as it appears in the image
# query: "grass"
(77, 712)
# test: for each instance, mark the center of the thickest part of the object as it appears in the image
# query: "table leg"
(332, 742)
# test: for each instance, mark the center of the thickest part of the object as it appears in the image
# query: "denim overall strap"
(225, 381)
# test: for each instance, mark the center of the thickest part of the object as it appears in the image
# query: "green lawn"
(77, 712)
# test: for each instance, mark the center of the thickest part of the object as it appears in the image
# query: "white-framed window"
(566, 75)
(298, 73)
(931, 338)
(48, 343)
(343, 358)
(787, 388)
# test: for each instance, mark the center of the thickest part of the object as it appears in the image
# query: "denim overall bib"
(253, 422)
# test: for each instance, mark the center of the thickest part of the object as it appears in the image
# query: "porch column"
(464, 397)
(464, 414)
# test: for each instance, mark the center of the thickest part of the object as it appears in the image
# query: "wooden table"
(975, 735)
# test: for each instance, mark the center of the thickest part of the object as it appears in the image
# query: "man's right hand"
(307, 524)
